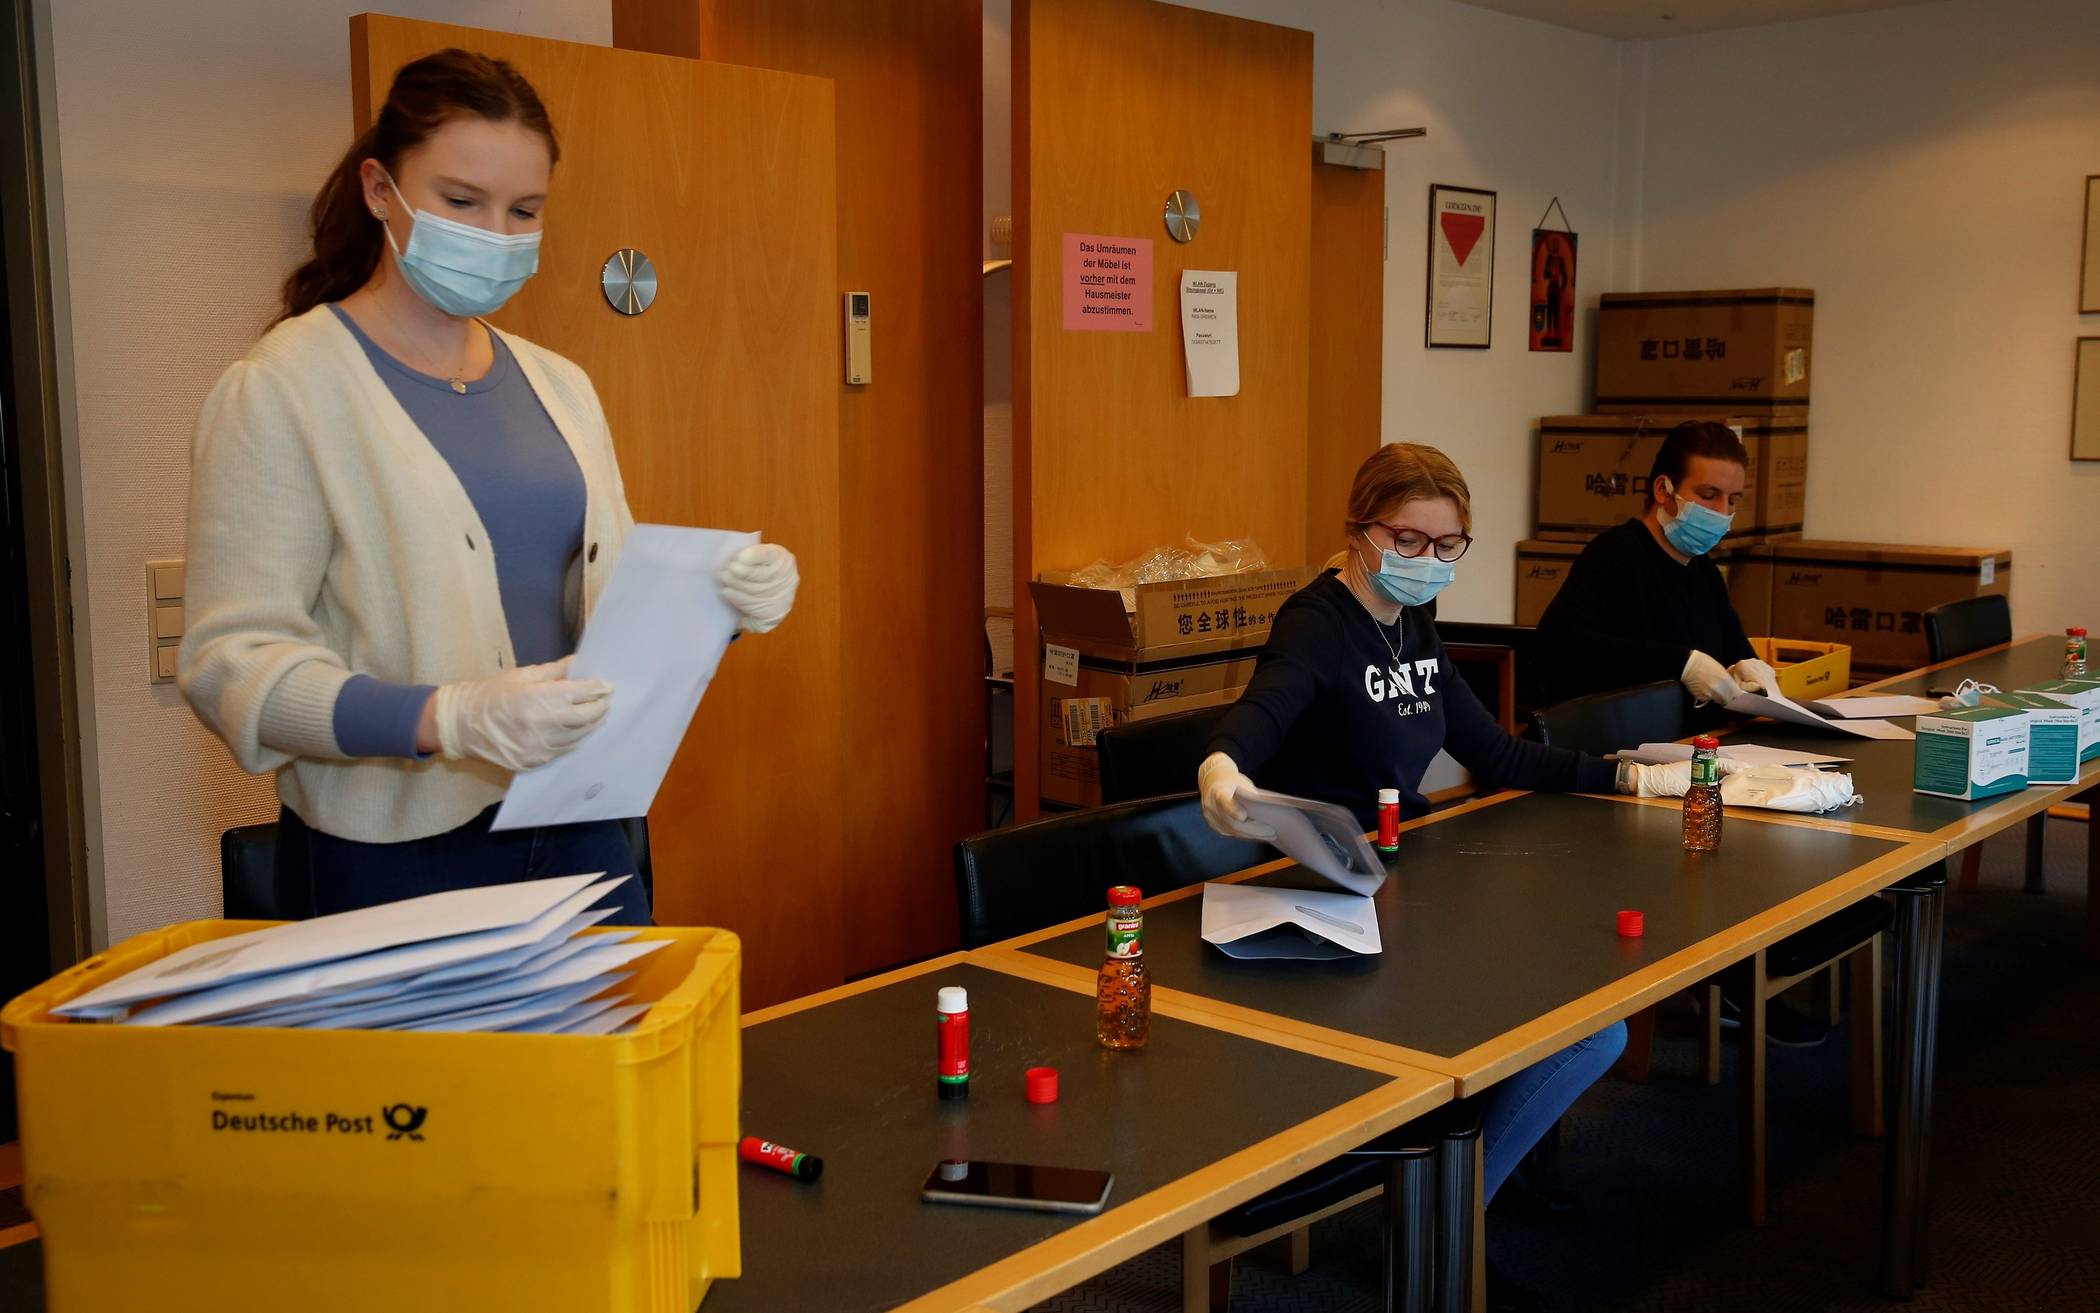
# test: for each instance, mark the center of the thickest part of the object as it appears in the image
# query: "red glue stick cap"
(1042, 1085)
(1632, 924)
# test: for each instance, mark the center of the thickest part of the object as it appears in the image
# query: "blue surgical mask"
(1695, 530)
(461, 269)
(1411, 580)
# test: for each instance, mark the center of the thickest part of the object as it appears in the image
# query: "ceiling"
(1647, 19)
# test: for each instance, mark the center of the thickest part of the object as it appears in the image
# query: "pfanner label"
(1126, 933)
(1706, 768)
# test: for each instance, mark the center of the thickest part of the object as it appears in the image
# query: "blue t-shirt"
(525, 484)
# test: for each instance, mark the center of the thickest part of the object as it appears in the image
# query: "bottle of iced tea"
(1702, 802)
(1123, 997)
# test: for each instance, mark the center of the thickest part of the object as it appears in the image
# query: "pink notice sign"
(1108, 283)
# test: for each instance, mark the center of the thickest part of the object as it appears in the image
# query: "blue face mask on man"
(1410, 580)
(1695, 530)
(461, 269)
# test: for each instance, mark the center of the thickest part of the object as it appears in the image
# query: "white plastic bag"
(1788, 789)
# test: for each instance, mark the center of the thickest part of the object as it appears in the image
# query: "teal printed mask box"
(1977, 752)
(2052, 735)
(2083, 694)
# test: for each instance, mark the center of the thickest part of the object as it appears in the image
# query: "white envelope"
(657, 637)
(1258, 921)
(1324, 839)
(1780, 707)
(459, 913)
(600, 960)
(505, 1015)
(1875, 704)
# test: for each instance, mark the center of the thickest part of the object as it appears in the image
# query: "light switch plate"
(165, 581)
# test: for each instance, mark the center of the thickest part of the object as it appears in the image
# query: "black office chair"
(1466, 640)
(1959, 628)
(1025, 877)
(1655, 713)
(251, 891)
(1157, 757)
(1956, 629)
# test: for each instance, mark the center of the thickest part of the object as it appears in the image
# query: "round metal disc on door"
(629, 280)
(1183, 215)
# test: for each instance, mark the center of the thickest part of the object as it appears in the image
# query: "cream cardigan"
(328, 538)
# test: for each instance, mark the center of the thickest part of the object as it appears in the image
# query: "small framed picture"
(1552, 290)
(1461, 298)
(2085, 401)
(2089, 258)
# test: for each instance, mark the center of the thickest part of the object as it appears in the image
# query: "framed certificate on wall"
(1461, 267)
(2085, 401)
(2089, 261)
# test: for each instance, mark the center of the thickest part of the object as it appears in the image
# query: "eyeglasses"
(1408, 543)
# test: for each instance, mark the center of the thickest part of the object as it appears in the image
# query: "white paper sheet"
(1876, 706)
(368, 968)
(1780, 707)
(1325, 840)
(1257, 921)
(1210, 331)
(459, 913)
(1751, 753)
(656, 636)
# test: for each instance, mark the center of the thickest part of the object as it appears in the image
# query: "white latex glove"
(1672, 779)
(1755, 675)
(1707, 680)
(521, 718)
(1219, 781)
(760, 583)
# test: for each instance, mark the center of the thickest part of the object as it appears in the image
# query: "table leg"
(1457, 1186)
(2037, 825)
(2091, 798)
(1914, 957)
(1410, 1220)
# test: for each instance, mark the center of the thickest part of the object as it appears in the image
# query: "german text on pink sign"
(1108, 283)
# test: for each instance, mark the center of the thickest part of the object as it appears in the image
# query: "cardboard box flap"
(1659, 422)
(1709, 296)
(1869, 555)
(1093, 613)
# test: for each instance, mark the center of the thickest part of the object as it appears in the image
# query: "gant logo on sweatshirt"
(1405, 683)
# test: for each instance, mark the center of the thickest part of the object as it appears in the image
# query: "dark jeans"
(345, 874)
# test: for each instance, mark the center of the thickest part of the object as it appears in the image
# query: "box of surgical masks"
(2052, 735)
(1977, 752)
(2083, 694)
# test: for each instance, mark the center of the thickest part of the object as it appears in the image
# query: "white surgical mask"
(1788, 789)
(1410, 580)
(461, 269)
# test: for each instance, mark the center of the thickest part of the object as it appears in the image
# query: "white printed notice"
(1210, 331)
(656, 636)
(1461, 266)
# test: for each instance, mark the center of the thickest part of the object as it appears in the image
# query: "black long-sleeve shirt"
(1341, 706)
(1630, 614)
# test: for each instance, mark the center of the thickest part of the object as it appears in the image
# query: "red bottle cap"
(1124, 895)
(2075, 633)
(1631, 924)
(1706, 741)
(1042, 1085)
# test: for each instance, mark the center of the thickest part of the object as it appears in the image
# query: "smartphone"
(1017, 1185)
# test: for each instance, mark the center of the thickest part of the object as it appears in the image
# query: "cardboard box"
(1745, 349)
(2083, 694)
(1593, 473)
(1169, 621)
(1107, 693)
(2052, 735)
(1807, 670)
(1874, 595)
(1977, 752)
(1543, 565)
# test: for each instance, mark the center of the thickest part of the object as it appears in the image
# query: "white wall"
(1520, 108)
(190, 139)
(1923, 169)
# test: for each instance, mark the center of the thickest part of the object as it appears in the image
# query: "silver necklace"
(457, 379)
(1399, 623)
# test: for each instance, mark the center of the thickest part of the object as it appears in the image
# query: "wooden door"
(1348, 342)
(909, 75)
(723, 408)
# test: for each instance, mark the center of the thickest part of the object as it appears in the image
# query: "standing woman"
(1353, 693)
(401, 517)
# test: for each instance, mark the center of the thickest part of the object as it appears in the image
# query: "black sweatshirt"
(1630, 614)
(1331, 714)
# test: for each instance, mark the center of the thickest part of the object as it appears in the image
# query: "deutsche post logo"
(403, 1120)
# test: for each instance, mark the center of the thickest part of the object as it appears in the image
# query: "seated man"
(1644, 602)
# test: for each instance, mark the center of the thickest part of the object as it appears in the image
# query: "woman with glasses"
(1353, 694)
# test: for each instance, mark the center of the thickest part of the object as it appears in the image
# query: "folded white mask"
(1788, 789)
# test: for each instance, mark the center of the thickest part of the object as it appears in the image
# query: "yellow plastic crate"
(1807, 669)
(383, 1170)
